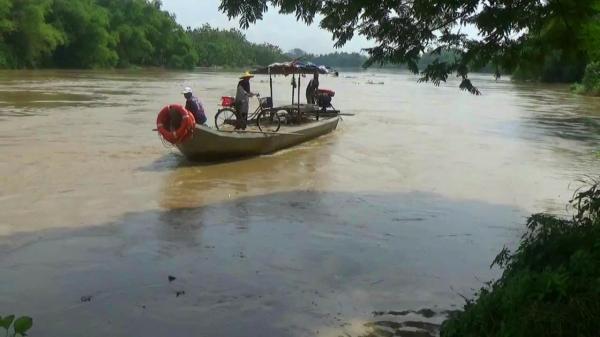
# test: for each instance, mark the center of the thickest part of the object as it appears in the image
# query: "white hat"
(187, 90)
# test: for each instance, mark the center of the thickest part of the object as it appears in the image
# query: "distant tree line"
(216, 47)
(336, 59)
(116, 33)
(358, 60)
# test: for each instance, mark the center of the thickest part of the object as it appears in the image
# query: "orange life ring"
(163, 124)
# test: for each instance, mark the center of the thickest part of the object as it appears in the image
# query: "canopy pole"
(271, 83)
(293, 87)
(299, 75)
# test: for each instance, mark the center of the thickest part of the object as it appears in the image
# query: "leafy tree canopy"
(511, 33)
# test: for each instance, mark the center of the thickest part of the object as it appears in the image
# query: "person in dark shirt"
(193, 105)
(311, 89)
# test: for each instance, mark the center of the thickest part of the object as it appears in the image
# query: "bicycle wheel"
(226, 120)
(268, 121)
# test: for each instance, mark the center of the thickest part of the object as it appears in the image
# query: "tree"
(591, 35)
(217, 47)
(86, 26)
(129, 28)
(403, 30)
(91, 34)
(6, 27)
(29, 36)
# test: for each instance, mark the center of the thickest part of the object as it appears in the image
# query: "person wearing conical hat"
(242, 96)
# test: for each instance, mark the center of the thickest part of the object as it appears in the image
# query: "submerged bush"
(550, 285)
(590, 85)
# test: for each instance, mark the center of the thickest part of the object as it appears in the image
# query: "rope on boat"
(165, 143)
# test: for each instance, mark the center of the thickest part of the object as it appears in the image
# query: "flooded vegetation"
(377, 229)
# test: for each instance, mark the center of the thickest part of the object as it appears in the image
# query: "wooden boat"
(207, 144)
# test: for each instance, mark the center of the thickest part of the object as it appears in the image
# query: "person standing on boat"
(193, 105)
(241, 99)
(311, 89)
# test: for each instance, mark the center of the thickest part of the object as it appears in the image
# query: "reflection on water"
(297, 264)
(563, 115)
(372, 230)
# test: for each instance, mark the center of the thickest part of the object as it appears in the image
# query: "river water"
(401, 209)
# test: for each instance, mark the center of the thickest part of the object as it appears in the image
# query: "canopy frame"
(291, 68)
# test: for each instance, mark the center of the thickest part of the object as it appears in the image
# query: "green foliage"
(230, 48)
(591, 79)
(342, 60)
(116, 33)
(512, 33)
(30, 37)
(590, 85)
(7, 321)
(91, 34)
(551, 68)
(550, 285)
(88, 43)
(20, 326)
(591, 35)
(338, 60)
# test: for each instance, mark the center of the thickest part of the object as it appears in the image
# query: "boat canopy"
(290, 68)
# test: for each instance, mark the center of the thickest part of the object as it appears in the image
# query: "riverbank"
(549, 286)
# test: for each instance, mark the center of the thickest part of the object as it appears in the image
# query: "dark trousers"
(311, 96)
(242, 117)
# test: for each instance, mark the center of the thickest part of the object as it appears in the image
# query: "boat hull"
(208, 144)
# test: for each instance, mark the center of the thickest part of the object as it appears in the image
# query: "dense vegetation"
(590, 85)
(550, 40)
(115, 33)
(217, 47)
(550, 285)
(90, 34)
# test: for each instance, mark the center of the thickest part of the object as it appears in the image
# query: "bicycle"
(267, 119)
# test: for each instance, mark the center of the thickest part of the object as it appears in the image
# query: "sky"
(281, 30)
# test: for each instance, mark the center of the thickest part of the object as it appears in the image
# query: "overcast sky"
(281, 30)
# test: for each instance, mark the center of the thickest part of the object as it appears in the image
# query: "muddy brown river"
(377, 228)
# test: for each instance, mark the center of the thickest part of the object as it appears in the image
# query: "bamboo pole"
(271, 84)
(299, 75)
(293, 82)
